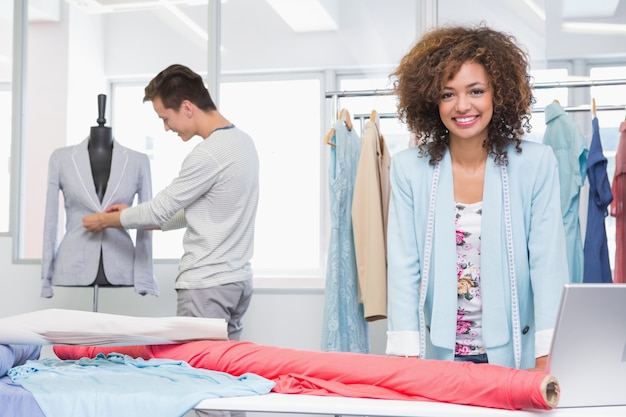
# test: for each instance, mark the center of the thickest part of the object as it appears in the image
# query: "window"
(5, 151)
(136, 126)
(284, 119)
(6, 85)
(71, 58)
(545, 96)
(395, 133)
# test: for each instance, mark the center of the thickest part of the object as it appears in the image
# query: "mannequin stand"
(95, 297)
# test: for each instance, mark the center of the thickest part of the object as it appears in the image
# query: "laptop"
(588, 351)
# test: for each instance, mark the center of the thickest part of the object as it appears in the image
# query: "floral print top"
(469, 314)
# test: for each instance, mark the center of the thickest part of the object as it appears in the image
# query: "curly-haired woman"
(476, 247)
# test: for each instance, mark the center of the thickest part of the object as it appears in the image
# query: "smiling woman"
(465, 92)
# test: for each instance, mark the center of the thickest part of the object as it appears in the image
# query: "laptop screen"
(588, 351)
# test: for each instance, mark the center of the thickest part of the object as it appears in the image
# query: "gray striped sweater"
(215, 197)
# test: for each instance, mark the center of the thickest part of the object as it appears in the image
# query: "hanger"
(344, 116)
(593, 107)
(375, 118)
(329, 136)
(556, 101)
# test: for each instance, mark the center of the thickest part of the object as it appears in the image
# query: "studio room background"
(270, 77)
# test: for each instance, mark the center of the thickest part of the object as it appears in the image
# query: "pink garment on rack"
(618, 206)
(355, 374)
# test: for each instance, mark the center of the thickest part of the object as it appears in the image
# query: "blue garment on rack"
(118, 385)
(570, 149)
(344, 326)
(597, 264)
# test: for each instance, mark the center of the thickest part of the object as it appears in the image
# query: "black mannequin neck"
(100, 150)
(100, 137)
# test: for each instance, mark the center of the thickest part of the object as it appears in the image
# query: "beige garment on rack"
(370, 208)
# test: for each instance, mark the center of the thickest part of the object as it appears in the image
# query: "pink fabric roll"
(356, 374)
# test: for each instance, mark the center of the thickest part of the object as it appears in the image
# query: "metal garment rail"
(555, 84)
(335, 95)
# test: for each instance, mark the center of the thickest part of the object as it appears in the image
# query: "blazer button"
(525, 330)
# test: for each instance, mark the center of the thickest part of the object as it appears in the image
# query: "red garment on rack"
(618, 207)
(355, 374)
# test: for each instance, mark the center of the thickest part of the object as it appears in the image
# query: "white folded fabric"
(74, 327)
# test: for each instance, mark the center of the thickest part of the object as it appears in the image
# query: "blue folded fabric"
(118, 385)
(14, 355)
(15, 401)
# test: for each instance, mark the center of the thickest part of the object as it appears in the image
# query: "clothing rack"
(336, 95)
(556, 84)
(362, 117)
(585, 108)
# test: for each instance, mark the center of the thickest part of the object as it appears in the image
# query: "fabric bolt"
(618, 207)
(75, 260)
(570, 149)
(118, 385)
(215, 197)
(344, 326)
(357, 375)
(597, 263)
(55, 326)
(370, 210)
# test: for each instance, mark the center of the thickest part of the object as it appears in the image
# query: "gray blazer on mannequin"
(74, 261)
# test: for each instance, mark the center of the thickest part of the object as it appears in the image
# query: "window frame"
(267, 278)
(6, 87)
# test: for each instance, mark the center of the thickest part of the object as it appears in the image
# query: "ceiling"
(575, 15)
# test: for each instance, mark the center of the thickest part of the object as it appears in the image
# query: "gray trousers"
(227, 301)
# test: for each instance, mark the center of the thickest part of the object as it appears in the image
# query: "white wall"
(287, 318)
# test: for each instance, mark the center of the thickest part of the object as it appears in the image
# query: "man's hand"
(115, 207)
(97, 222)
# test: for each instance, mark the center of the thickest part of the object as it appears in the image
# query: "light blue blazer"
(539, 251)
(74, 261)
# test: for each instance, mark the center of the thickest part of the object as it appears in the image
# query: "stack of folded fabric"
(14, 399)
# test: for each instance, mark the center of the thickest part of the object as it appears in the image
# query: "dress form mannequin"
(100, 153)
(88, 177)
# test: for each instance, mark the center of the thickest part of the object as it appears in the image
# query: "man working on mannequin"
(215, 197)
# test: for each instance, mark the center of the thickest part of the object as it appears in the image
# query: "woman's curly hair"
(436, 59)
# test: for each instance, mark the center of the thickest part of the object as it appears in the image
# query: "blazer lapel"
(444, 263)
(493, 278)
(82, 165)
(119, 162)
